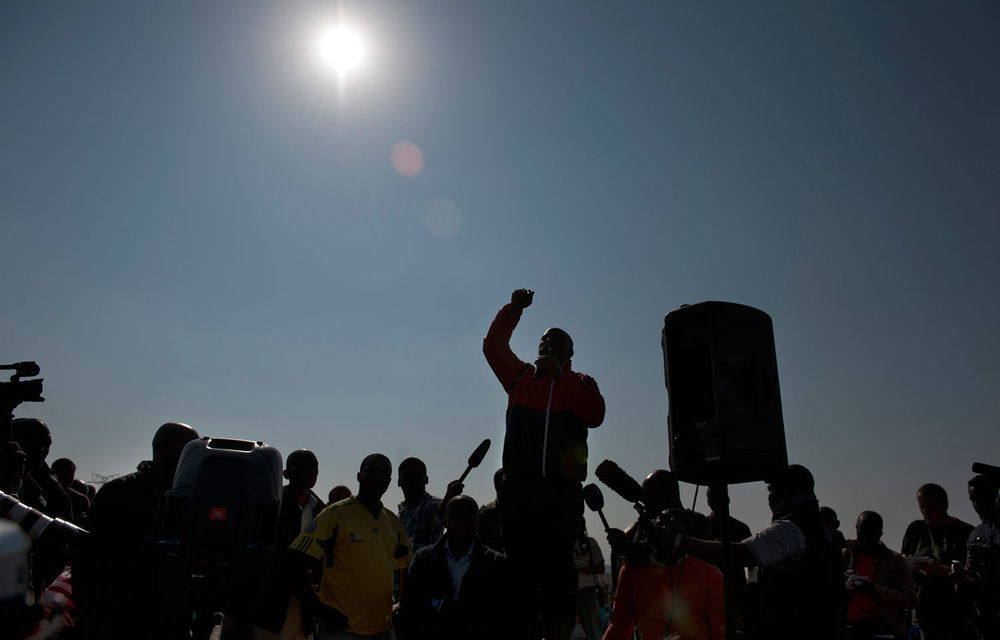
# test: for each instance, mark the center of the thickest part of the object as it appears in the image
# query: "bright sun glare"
(341, 48)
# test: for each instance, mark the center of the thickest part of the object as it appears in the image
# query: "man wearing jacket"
(550, 407)
(879, 584)
(455, 587)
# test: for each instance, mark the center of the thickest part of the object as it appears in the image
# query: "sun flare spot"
(342, 49)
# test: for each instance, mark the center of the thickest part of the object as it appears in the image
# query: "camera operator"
(796, 581)
(660, 590)
(114, 575)
(550, 408)
(981, 578)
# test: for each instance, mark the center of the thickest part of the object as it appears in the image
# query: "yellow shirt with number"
(358, 553)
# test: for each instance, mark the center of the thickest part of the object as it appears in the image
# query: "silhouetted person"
(354, 546)
(589, 564)
(796, 586)
(829, 519)
(660, 590)
(879, 585)
(39, 489)
(981, 578)
(456, 588)
(279, 614)
(550, 407)
(114, 575)
(421, 513)
(488, 526)
(941, 539)
(64, 471)
(338, 493)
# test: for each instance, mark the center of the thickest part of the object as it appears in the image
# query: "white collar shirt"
(458, 567)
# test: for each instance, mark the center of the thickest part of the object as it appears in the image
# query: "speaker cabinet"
(724, 422)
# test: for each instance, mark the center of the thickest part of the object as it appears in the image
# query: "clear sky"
(202, 222)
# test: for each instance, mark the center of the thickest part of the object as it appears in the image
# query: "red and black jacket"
(547, 419)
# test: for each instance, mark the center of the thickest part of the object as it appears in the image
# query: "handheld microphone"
(594, 499)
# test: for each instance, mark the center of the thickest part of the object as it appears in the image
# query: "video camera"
(657, 535)
(17, 391)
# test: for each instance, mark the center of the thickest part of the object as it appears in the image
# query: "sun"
(342, 49)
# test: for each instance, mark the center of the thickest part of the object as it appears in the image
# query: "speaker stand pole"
(721, 489)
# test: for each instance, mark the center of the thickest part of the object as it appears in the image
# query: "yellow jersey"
(358, 553)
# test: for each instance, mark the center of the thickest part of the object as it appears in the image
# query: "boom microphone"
(619, 481)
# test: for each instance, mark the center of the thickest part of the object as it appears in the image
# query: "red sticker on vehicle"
(217, 513)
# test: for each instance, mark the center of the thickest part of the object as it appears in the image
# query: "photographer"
(796, 581)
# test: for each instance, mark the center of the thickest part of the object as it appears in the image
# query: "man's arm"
(902, 594)
(496, 345)
(711, 551)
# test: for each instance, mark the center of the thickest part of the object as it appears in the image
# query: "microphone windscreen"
(619, 481)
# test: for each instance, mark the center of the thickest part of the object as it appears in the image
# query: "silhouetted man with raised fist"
(550, 407)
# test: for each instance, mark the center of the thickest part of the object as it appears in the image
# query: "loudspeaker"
(724, 422)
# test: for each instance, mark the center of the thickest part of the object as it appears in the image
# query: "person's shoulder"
(915, 528)
(392, 518)
(341, 509)
(962, 525)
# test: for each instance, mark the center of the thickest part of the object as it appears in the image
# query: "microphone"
(619, 481)
(594, 499)
(476, 458)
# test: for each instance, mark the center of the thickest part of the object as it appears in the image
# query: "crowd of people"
(522, 565)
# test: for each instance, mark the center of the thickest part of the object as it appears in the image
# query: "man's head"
(412, 478)
(794, 481)
(983, 492)
(498, 480)
(168, 442)
(64, 470)
(301, 469)
(374, 477)
(556, 343)
(869, 530)
(933, 502)
(460, 518)
(714, 502)
(660, 491)
(34, 438)
(338, 493)
(828, 517)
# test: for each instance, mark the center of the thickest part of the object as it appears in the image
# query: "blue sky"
(202, 223)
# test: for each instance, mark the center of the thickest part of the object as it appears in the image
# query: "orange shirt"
(646, 595)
